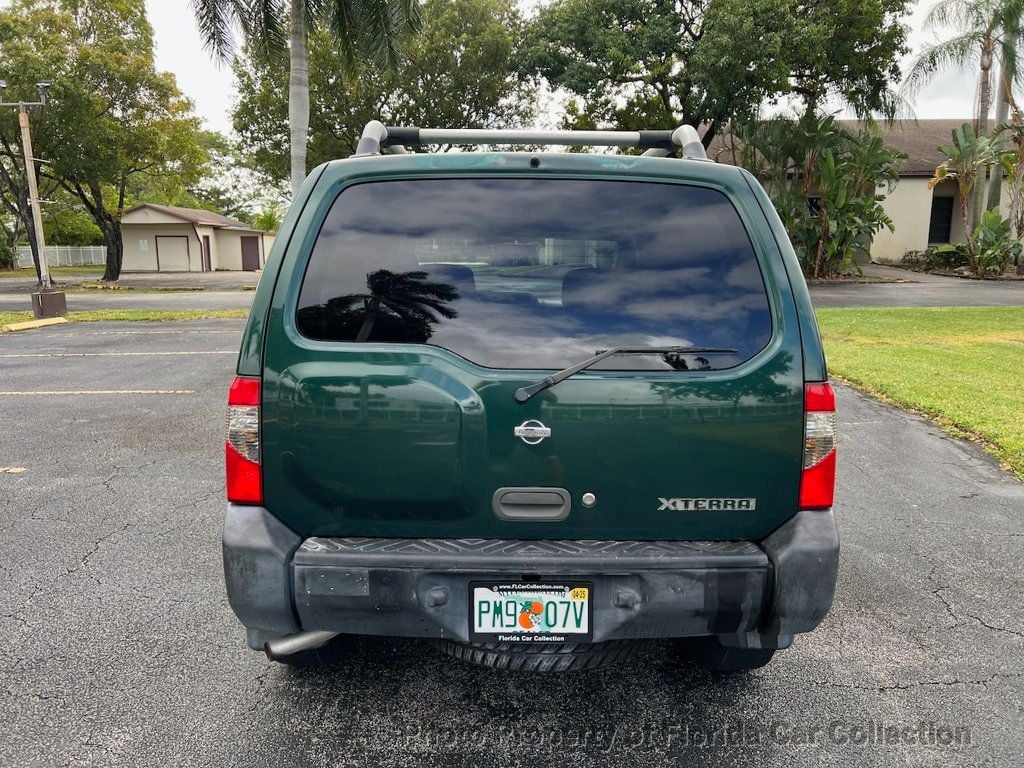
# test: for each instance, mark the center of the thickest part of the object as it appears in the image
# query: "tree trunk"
(298, 91)
(984, 104)
(965, 197)
(995, 184)
(114, 240)
(823, 234)
(109, 223)
(372, 308)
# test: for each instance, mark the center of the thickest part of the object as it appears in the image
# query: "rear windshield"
(538, 273)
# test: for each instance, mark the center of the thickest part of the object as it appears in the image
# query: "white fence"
(66, 255)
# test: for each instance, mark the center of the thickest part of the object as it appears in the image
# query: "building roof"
(196, 216)
(919, 140)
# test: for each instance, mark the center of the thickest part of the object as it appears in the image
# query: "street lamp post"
(48, 302)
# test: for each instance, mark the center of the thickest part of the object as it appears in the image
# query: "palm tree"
(987, 34)
(409, 296)
(269, 219)
(1009, 70)
(967, 157)
(365, 29)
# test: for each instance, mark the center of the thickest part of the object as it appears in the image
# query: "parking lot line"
(100, 392)
(122, 354)
(11, 470)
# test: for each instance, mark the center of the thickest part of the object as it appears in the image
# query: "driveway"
(117, 646)
(916, 289)
(196, 290)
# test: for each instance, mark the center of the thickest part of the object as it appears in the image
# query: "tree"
(657, 63)
(464, 69)
(848, 50)
(1013, 166)
(987, 33)
(967, 157)
(269, 219)
(1009, 72)
(397, 307)
(112, 119)
(409, 297)
(364, 30)
(824, 181)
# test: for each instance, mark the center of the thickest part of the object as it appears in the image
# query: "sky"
(211, 87)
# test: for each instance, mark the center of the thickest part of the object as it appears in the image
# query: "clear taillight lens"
(243, 431)
(819, 437)
(818, 479)
(243, 473)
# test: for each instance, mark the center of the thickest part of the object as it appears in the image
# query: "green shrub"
(948, 256)
(824, 181)
(994, 244)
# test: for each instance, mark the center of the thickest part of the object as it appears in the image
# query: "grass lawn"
(143, 315)
(962, 366)
(54, 271)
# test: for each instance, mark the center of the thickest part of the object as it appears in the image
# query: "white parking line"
(121, 354)
(101, 392)
(11, 470)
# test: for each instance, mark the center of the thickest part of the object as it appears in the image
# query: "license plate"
(530, 613)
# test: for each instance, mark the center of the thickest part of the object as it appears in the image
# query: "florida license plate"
(530, 613)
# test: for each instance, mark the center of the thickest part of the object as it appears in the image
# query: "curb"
(29, 324)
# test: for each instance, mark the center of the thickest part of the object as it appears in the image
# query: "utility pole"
(48, 302)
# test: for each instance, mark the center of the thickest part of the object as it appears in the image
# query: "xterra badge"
(694, 505)
(532, 431)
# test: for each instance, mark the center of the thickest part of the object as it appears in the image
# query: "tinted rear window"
(537, 273)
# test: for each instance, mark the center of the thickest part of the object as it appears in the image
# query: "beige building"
(921, 217)
(165, 238)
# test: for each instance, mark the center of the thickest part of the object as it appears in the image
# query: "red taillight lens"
(242, 442)
(818, 480)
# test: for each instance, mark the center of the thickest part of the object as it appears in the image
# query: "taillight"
(818, 480)
(242, 442)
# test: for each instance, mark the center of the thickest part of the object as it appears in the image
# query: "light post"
(47, 302)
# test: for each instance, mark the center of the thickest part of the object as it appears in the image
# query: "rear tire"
(708, 653)
(527, 657)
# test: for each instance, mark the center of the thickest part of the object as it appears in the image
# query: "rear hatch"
(395, 352)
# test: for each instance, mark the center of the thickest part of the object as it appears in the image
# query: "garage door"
(172, 253)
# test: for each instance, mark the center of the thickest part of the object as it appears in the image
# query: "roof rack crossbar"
(377, 137)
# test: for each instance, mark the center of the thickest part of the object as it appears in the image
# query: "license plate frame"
(545, 591)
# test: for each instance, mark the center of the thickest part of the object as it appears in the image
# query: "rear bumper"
(752, 594)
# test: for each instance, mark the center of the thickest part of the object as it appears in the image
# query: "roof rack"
(378, 138)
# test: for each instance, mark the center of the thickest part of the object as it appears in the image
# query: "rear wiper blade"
(525, 393)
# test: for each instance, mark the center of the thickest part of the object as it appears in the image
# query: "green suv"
(534, 407)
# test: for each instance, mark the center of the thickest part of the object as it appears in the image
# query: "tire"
(334, 652)
(524, 657)
(708, 653)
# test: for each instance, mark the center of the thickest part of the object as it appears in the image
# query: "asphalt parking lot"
(117, 646)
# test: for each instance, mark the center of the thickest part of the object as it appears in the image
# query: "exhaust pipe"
(301, 641)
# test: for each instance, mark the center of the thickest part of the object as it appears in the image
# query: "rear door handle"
(542, 505)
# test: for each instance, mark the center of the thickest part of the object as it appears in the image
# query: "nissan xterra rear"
(534, 407)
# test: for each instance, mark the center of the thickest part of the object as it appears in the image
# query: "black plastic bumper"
(750, 594)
